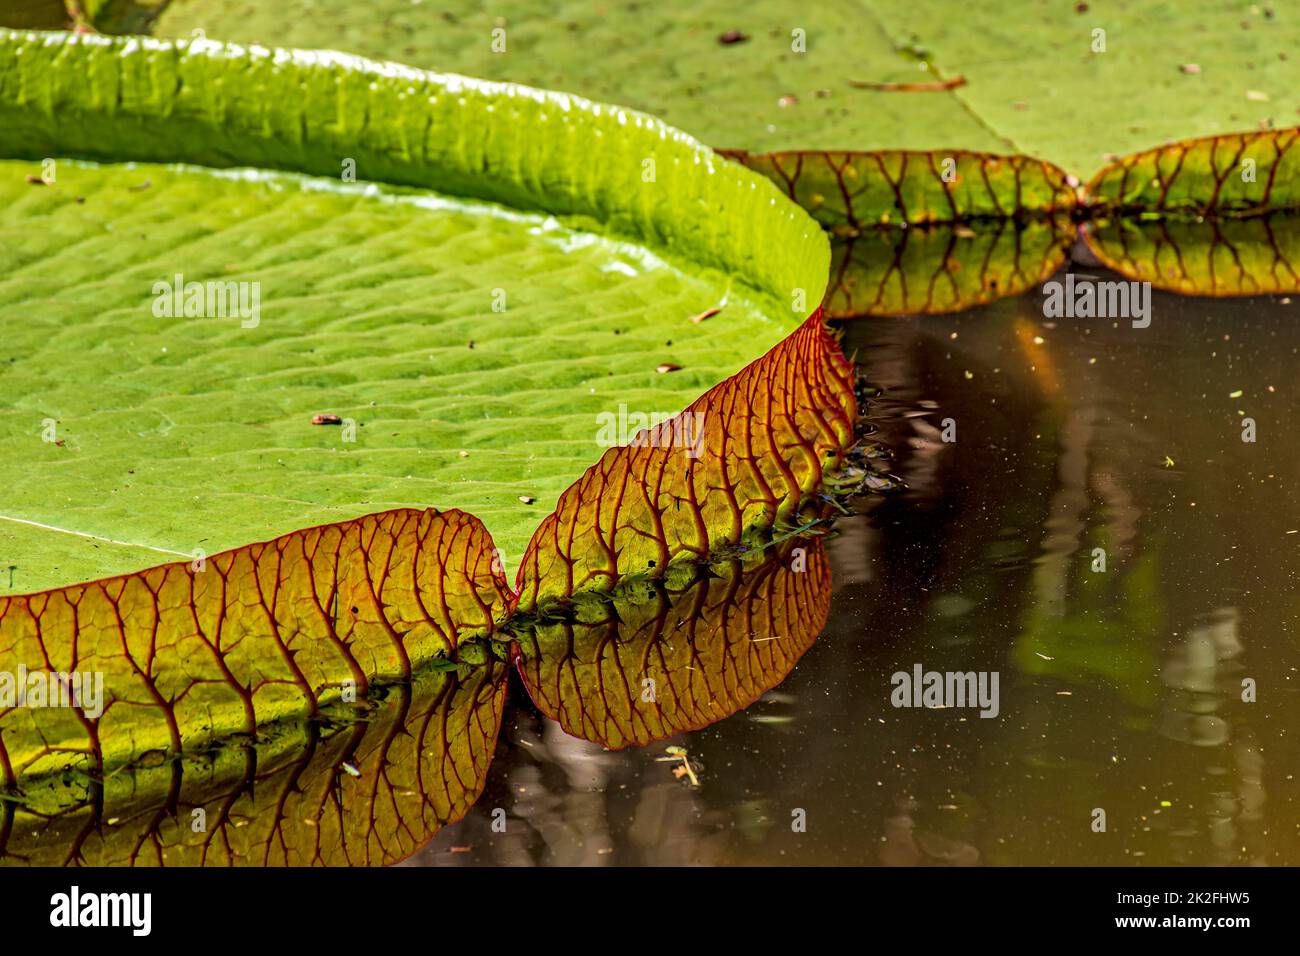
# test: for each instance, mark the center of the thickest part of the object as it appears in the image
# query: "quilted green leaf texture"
(477, 316)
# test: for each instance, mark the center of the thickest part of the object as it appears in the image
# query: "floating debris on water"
(685, 766)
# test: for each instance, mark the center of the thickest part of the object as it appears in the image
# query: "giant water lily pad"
(521, 276)
(1052, 79)
(525, 278)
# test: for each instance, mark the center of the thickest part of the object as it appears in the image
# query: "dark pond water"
(1120, 690)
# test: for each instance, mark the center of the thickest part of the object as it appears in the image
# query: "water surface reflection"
(1120, 689)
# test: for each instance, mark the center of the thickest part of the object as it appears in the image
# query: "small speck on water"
(527, 499)
(732, 37)
(327, 419)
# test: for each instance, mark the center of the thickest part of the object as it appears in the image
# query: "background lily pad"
(1033, 81)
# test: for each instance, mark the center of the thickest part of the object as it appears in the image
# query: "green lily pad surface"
(769, 75)
(473, 354)
(664, 58)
